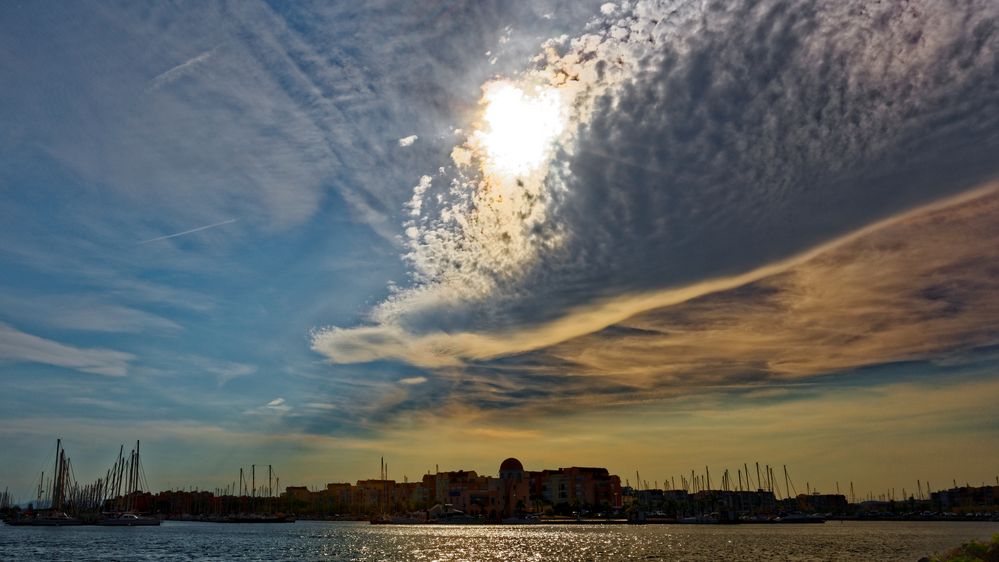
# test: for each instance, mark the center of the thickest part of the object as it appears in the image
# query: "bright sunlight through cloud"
(520, 127)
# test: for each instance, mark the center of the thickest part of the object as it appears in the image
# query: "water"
(316, 540)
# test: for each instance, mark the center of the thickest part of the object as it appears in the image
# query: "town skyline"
(777, 479)
(513, 493)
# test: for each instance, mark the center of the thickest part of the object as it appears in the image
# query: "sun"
(519, 127)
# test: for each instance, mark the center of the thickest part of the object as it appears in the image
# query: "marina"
(517, 497)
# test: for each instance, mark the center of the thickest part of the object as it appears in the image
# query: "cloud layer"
(711, 144)
(21, 347)
(923, 288)
(920, 288)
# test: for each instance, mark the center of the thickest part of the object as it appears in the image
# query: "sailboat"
(128, 474)
(54, 516)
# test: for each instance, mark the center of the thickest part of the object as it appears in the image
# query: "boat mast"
(131, 480)
(138, 469)
(120, 499)
(61, 488)
(55, 473)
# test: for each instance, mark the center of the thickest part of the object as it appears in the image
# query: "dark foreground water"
(314, 540)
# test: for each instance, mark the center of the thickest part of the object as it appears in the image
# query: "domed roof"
(511, 464)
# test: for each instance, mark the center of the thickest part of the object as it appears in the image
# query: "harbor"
(515, 497)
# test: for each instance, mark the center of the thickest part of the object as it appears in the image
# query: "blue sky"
(269, 233)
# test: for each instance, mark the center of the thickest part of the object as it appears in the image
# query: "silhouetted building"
(823, 503)
(966, 497)
(514, 493)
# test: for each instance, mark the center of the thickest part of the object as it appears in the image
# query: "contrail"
(175, 72)
(199, 229)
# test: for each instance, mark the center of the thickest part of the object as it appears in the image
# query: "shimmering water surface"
(315, 540)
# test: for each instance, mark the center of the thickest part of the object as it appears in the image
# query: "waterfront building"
(514, 488)
(514, 492)
(823, 503)
(966, 497)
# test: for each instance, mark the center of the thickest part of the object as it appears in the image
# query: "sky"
(651, 236)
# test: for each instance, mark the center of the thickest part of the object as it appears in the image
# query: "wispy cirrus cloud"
(83, 312)
(249, 110)
(21, 347)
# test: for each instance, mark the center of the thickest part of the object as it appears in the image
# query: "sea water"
(318, 540)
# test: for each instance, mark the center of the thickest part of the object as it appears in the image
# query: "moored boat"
(798, 518)
(54, 519)
(259, 518)
(129, 520)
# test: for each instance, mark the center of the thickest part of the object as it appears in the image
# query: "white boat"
(129, 520)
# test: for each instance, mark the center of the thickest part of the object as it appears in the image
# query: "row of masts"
(241, 495)
(249, 488)
(246, 485)
(61, 492)
(124, 480)
(767, 481)
(695, 483)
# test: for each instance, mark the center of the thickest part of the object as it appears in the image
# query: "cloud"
(21, 347)
(408, 141)
(149, 292)
(276, 407)
(224, 371)
(321, 406)
(263, 112)
(85, 312)
(712, 145)
(921, 289)
(453, 349)
(918, 287)
(412, 380)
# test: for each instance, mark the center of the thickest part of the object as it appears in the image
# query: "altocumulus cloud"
(711, 145)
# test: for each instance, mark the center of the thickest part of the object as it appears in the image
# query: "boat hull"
(45, 523)
(258, 520)
(137, 522)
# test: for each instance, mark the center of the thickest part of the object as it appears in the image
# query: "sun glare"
(519, 127)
